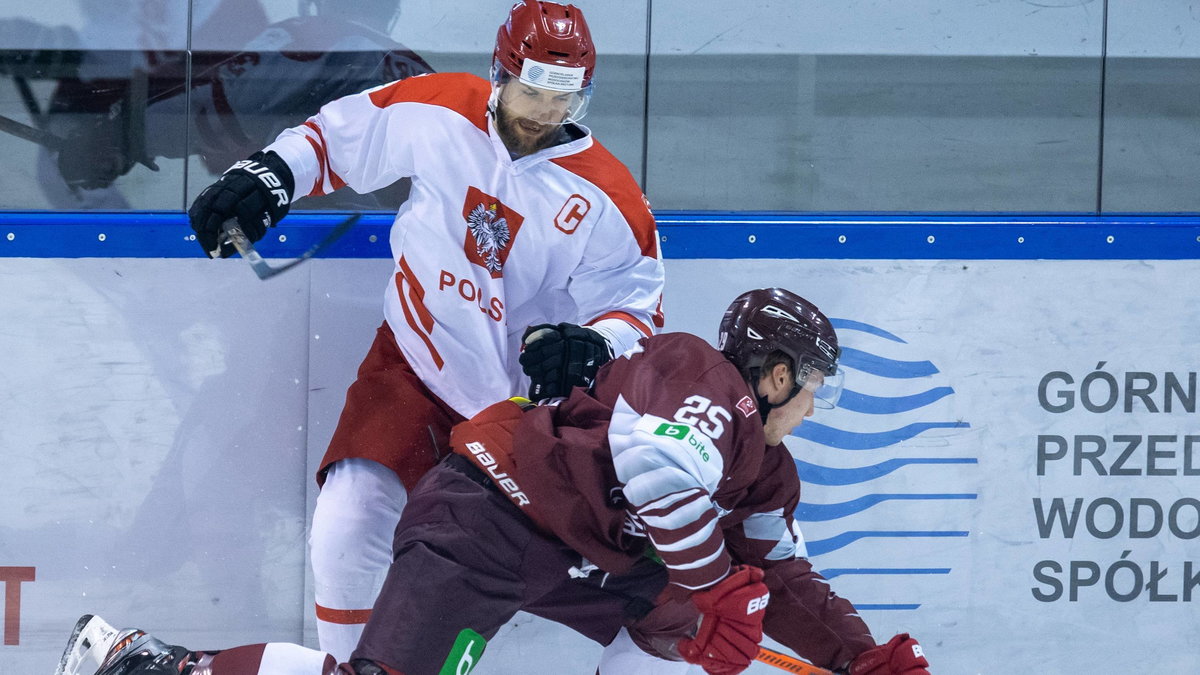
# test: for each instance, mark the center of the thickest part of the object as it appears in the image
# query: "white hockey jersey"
(485, 245)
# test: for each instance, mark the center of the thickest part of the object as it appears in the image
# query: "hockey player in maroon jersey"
(517, 219)
(653, 508)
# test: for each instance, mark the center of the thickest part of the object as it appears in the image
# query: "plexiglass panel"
(934, 105)
(618, 109)
(938, 105)
(296, 57)
(1152, 108)
(78, 83)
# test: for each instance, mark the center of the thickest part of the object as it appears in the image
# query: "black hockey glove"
(256, 191)
(558, 358)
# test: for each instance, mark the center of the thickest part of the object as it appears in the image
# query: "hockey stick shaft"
(789, 663)
(48, 140)
(32, 134)
(30, 101)
(234, 235)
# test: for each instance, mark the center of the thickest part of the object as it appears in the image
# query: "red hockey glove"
(731, 623)
(901, 655)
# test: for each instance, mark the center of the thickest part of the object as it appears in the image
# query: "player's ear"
(785, 375)
(781, 376)
(773, 380)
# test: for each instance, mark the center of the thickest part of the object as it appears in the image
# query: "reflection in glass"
(108, 128)
(242, 100)
(945, 106)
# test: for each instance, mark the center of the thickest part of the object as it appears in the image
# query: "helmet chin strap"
(764, 406)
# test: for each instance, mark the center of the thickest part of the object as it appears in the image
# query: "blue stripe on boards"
(684, 235)
(825, 475)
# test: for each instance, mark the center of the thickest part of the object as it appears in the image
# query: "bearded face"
(531, 118)
(522, 136)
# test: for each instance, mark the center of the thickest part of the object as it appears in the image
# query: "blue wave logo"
(894, 430)
(535, 73)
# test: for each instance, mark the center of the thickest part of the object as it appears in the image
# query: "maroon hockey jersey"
(666, 456)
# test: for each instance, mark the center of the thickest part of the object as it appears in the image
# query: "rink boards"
(1012, 474)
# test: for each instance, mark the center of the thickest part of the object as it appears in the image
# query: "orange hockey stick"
(789, 663)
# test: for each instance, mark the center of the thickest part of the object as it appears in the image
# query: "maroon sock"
(243, 660)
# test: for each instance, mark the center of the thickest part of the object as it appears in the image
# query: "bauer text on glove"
(257, 192)
(731, 623)
(901, 655)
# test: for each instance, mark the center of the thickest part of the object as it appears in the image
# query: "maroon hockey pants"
(466, 557)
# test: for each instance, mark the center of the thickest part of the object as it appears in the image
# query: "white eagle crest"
(491, 235)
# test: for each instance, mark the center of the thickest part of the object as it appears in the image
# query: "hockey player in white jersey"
(525, 257)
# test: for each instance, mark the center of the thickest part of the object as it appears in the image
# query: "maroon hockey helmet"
(766, 320)
(550, 34)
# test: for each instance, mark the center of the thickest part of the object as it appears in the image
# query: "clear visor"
(826, 389)
(523, 100)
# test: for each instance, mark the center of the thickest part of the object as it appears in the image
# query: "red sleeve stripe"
(345, 617)
(318, 188)
(416, 295)
(322, 150)
(599, 167)
(627, 318)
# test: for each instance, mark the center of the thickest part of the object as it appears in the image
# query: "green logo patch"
(464, 654)
(672, 430)
(684, 433)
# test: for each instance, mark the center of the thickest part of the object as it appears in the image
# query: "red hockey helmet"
(548, 33)
(767, 320)
(547, 46)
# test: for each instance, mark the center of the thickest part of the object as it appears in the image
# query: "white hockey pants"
(350, 548)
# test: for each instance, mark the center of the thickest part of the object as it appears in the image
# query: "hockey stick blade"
(234, 235)
(789, 663)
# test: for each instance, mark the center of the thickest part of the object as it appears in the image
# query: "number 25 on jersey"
(700, 413)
